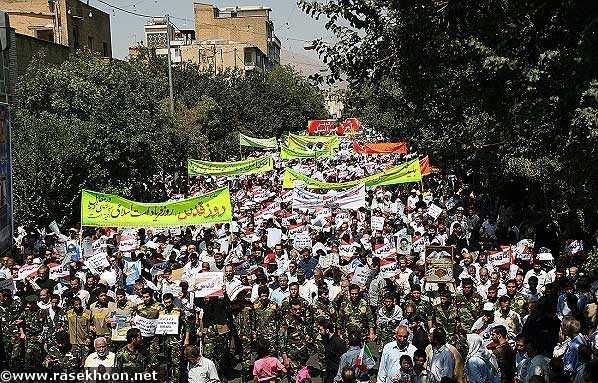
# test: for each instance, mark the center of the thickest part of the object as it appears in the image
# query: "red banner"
(424, 165)
(381, 148)
(331, 127)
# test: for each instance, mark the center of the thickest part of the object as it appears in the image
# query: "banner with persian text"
(251, 166)
(323, 143)
(381, 148)
(351, 199)
(287, 153)
(259, 143)
(101, 210)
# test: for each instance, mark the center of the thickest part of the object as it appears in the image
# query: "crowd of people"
(297, 314)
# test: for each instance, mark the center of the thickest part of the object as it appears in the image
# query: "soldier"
(149, 309)
(266, 318)
(323, 311)
(294, 294)
(32, 323)
(101, 312)
(445, 315)
(355, 315)
(468, 304)
(389, 317)
(123, 307)
(129, 358)
(295, 337)
(420, 301)
(243, 321)
(214, 331)
(10, 312)
(61, 357)
(58, 321)
(172, 343)
(518, 299)
(79, 326)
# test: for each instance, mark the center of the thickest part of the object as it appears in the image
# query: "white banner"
(378, 223)
(302, 241)
(209, 284)
(389, 270)
(434, 211)
(234, 288)
(362, 276)
(59, 271)
(27, 270)
(99, 261)
(146, 326)
(167, 324)
(127, 243)
(351, 199)
(385, 251)
(499, 258)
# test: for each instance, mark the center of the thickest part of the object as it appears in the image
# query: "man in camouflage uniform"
(215, 329)
(266, 319)
(389, 317)
(79, 326)
(323, 311)
(518, 299)
(129, 359)
(149, 309)
(61, 357)
(10, 310)
(172, 344)
(32, 323)
(294, 294)
(242, 313)
(468, 304)
(295, 336)
(421, 302)
(355, 315)
(58, 322)
(445, 315)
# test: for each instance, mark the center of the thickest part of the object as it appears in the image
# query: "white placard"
(378, 223)
(302, 241)
(99, 261)
(26, 271)
(389, 270)
(209, 284)
(127, 243)
(59, 271)
(167, 324)
(434, 211)
(146, 326)
(362, 276)
(274, 237)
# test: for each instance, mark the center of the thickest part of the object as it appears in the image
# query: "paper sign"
(346, 251)
(209, 284)
(499, 258)
(146, 326)
(363, 276)
(439, 264)
(234, 288)
(99, 261)
(167, 324)
(8, 284)
(158, 268)
(274, 237)
(177, 274)
(60, 271)
(87, 247)
(389, 270)
(25, 271)
(434, 211)
(378, 223)
(328, 260)
(119, 333)
(302, 241)
(127, 243)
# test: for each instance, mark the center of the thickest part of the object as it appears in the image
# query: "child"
(303, 375)
(267, 368)
(405, 374)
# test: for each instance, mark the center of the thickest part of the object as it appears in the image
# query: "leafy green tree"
(507, 87)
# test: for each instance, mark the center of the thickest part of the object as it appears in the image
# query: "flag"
(365, 354)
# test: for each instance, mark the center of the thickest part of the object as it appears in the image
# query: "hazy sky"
(291, 25)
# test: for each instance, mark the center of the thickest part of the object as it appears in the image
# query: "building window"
(90, 42)
(248, 57)
(105, 52)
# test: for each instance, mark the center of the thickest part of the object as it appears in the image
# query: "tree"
(506, 87)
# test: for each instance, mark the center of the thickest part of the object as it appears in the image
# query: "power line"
(124, 10)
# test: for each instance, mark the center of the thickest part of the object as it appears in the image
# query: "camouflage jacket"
(294, 332)
(469, 309)
(127, 361)
(355, 317)
(265, 319)
(323, 312)
(56, 360)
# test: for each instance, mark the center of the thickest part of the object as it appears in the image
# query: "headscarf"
(476, 349)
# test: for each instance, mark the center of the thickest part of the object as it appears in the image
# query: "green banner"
(99, 209)
(321, 143)
(290, 154)
(407, 172)
(260, 143)
(205, 168)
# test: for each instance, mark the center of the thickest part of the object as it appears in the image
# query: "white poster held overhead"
(27, 270)
(209, 284)
(99, 261)
(378, 223)
(274, 237)
(59, 271)
(351, 199)
(302, 241)
(363, 276)
(146, 326)
(434, 211)
(127, 243)
(167, 324)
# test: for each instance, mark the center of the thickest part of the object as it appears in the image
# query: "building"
(240, 38)
(70, 23)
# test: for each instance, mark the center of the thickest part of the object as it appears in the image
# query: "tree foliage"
(507, 87)
(106, 126)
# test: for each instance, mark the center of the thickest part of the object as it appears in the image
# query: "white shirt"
(390, 362)
(93, 360)
(203, 372)
(442, 364)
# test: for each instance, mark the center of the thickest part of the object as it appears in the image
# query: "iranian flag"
(365, 353)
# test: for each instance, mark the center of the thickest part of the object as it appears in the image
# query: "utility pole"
(235, 58)
(214, 53)
(167, 17)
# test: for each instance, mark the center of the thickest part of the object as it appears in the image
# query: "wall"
(29, 47)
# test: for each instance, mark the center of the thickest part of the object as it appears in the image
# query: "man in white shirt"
(282, 291)
(390, 363)
(101, 359)
(442, 362)
(538, 273)
(201, 369)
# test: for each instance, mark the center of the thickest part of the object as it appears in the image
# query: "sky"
(291, 25)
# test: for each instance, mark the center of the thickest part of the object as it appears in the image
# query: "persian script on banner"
(313, 142)
(99, 209)
(206, 168)
(351, 199)
(261, 143)
(209, 284)
(287, 153)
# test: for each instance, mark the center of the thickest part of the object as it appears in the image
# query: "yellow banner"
(99, 209)
(320, 143)
(404, 173)
(206, 168)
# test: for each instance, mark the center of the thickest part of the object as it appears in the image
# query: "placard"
(389, 270)
(127, 243)
(434, 211)
(439, 264)
(234, 288)
(59, 271)
(209, 284)
(302, 241)
(328, 260)
(378, 223)
(27, 270)
(8, 284)
(119, 333)
(167, 325)
(99, 261)
(363, 276)
(146, 326)
(500, 258)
